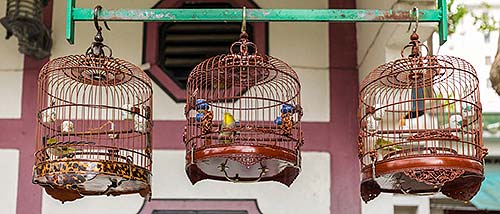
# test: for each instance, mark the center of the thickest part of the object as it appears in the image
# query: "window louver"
(184, 45)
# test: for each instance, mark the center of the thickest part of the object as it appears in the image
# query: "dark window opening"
(184, 45)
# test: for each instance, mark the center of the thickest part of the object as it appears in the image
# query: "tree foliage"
(484, 21)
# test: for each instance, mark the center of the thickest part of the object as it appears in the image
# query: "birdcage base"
(243, 164)
(73, 179)
(458, 178)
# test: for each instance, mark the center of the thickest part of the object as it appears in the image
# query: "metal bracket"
(256, 15)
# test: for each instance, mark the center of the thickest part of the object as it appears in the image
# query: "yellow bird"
(228, 122)
(60, 151)
(384, 143)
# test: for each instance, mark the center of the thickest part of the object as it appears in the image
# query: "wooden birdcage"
(94, 126)
(420, 127)
(243, 118)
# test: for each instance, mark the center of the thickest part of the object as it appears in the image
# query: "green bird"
(382, 143)
(228, 122)
(58, 150)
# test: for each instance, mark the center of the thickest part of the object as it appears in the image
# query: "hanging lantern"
(94, 126)
(420, 127)
(243, 118)
(23, 19)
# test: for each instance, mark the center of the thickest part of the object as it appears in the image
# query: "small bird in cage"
(383, 143)
(417, 105)
(59, 151)
(449, 107)
(418, 108)
(228, 122)
(67, 127)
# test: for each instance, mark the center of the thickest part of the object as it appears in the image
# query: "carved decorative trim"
(433, 135)
(248, 159)
(436, 177)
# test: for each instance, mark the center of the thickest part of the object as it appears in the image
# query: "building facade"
(324, 56)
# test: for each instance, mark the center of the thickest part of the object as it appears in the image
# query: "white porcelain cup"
(140, 124)
(127, 115)
(48, 116)
(455, 121)
(67, 126)
(371, 124)
(378, 113)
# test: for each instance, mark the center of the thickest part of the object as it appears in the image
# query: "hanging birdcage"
(420, 127)
(94, 126)
(23, 19)
(243, 111)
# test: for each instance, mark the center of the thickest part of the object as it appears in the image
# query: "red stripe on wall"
(29, 196)
(344, 85)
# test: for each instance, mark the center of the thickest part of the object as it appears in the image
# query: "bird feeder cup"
(243, 118)
(420, 126)
(93, 126)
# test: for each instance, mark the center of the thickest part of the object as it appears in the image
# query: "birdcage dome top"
(244, 74)
(410, 72)
(96, 70)
(395, 81)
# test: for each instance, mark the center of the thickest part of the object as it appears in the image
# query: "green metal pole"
(443, 22)
(70, 23)
(253, 15)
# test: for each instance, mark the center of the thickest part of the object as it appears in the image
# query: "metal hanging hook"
(97, 48)
(96, 20)
(244, 23)
(415, 13)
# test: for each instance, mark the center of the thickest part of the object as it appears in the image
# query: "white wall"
(310, 193)
(9, 164)
(397, 204)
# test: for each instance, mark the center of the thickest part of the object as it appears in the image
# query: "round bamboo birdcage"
(243, 118)
(420, 127)
(94, 126)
